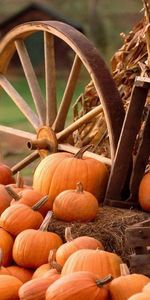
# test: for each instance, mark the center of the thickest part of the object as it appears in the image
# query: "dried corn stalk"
(131, 60)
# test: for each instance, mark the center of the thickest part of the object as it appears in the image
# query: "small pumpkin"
(19, 184)
(73, 245)
(22, 274)
(5, 198)
(6, 244)
(28, 197)
(9, 287)
(19, 217)
(51, 175)
(144, 192)
(49, 268)
(75, 205)
(31, 247)
(36, 288)
(78, 285)
(6, 175)
(126, 285)
(97, 261)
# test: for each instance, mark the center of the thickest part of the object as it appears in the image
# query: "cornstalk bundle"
(131, 60)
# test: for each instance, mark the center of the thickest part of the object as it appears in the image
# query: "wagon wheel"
(48, 122)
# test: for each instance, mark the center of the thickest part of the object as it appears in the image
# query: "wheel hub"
(45, 143)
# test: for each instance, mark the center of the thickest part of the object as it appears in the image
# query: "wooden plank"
(123, 156)
(68, 94)
(72, 127)
(50, 78)
(137, 236)
(140, 264)
(20, 102)
(121, 204)
(141, 160)
(32, 80)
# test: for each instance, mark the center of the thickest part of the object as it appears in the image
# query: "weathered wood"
(50, 78)
(138, 236)
(68, 94)
(141, 160)
(140, 264)
(17, 133)
(84, 119)
(19, 101)
(25, 162)
(123, 157)
(74, 150)
(31, 79)
(121, 204)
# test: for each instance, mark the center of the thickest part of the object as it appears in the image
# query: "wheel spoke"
(19, 101)
(17, 133)
(50, 77)
(68, 94)
(25, 162)
(74, 150)
(84, 119)
(31, 79)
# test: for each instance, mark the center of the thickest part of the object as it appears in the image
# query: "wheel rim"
(46, 115)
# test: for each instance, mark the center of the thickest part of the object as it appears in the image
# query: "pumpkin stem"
(40, 203)
(52, 256)
(124, 270)
(101, 282)
(12, 193)
(46, 221)
(19, 180)
(80, 153)
(56, 266)
(68, 235)
(79, 187)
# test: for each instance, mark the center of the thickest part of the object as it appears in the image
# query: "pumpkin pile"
(34, 262)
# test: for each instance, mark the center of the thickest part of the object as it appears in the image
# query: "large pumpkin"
(144, 192)
(76, 286)
(75, 205)
(97, 261)
(61, 171)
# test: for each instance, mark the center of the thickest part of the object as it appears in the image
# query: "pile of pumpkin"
(34, 263)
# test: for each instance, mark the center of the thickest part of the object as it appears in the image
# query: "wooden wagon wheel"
(48, 122)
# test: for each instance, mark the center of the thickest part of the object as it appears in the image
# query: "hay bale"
(108, 227)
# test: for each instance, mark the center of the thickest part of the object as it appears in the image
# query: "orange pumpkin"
(5, 198)
(19, 217)
(22, 274)
(73, 245)
(9, 287)
(140, 296)
(3, 270)
(75, 205)
(36, 288)
(49, 268)
(52, 174)
(144, 192)
(78, 285)
(125, 286)
(6, 244)
(19, 185)
(31, 247)
(29, 197)
(146, 288)
(97, 261)
(6, 175)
